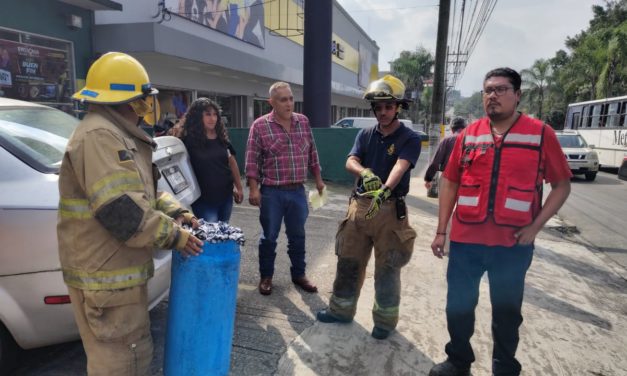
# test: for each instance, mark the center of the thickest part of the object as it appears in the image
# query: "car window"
(345, 123)
(37, 136)
(571, 141)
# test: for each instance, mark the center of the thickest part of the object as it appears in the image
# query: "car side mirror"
(591, 146)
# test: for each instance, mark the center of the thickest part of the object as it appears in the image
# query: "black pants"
(506, 268)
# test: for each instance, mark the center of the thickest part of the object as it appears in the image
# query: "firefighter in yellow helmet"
(381, 159)
(111, 217)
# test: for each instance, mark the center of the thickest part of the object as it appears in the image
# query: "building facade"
(232, 51)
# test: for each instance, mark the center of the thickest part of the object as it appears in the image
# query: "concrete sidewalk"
(575, 308)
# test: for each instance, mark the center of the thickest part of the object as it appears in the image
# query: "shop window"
(261, 107)
(37, 69)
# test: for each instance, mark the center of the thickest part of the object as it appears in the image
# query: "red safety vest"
(503, 181)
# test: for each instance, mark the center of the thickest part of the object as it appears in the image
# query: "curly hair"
(194, 128)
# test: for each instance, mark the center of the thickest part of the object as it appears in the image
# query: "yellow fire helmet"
(385, 89)
(117, 78)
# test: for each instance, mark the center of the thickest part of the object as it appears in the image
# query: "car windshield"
(571, 141)
(36, 135)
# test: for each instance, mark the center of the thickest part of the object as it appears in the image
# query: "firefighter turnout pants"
(115, 329)
(393, 242)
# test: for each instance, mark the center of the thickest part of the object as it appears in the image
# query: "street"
(599, 211)
(575, 310)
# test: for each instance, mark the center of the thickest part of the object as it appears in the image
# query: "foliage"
(413, 68)
(537, 81)
(471, 107)
(594, 66)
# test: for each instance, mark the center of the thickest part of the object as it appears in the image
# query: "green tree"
(537, 80)
(470, 108)
(596, 66)
(413, 68)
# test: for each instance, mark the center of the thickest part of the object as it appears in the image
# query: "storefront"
(44, 59)
(232, 51)
(36, 68)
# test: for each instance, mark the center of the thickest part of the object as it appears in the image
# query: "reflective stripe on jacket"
(107, 173)
(503, 181)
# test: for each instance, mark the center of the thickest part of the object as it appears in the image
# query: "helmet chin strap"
(375, 115)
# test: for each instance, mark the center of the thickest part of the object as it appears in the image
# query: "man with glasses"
(381, 159)
(279, 151)
(493, 180)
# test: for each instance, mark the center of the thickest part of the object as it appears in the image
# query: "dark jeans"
(289, 206)
(506, 268)
(213, 212)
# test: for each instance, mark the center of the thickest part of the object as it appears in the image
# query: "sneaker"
(327, 317)
(380, 333)
(447, 368)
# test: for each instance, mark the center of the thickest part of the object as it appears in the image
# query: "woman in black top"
(213, 161)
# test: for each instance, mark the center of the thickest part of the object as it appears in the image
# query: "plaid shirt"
(277, 157)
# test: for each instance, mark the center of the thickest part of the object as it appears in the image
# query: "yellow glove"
(369, 181)
(378, 197)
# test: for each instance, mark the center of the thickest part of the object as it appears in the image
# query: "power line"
(467, 26)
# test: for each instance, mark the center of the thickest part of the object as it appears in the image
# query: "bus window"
(585, 123)
(622, 122)
(596, 116)
(612, 115)
(574, 124)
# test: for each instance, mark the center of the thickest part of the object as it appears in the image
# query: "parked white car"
(365, 122)
(581, 157)
(35, 309)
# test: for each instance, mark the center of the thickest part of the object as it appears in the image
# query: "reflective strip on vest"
(517, 205)
(484, 138)
(385, 311)
(468, 200)
(110, 279)
(74, 208)
(531, 139)
(114, 185)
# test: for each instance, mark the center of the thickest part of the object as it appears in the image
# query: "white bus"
(602, 123)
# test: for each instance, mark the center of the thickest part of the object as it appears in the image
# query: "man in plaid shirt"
(279, 151)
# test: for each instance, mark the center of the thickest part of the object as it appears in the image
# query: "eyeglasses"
(499, 90)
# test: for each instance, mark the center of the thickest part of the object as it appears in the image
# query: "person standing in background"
(213, 161)
(279, 151)
(442, 154)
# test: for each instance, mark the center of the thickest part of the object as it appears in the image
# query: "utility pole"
(439, 74)
(317, 63)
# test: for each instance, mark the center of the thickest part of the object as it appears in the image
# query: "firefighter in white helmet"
(111, 217)
(382, 158)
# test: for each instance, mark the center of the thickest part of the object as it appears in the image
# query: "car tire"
(590, 176)
(8, 351)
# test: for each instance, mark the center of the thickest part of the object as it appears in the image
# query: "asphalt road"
(598, 209)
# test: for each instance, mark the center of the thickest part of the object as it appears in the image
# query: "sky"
(518, 31)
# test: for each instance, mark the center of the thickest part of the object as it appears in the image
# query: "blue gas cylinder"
(201, 311)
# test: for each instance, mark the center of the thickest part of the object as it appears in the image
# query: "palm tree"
(413, 68)
(537, 80)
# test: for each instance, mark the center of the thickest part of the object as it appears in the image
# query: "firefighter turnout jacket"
(110, 215)
(503, 180)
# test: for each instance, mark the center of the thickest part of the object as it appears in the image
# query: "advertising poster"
(242, 19)
(34, 73)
